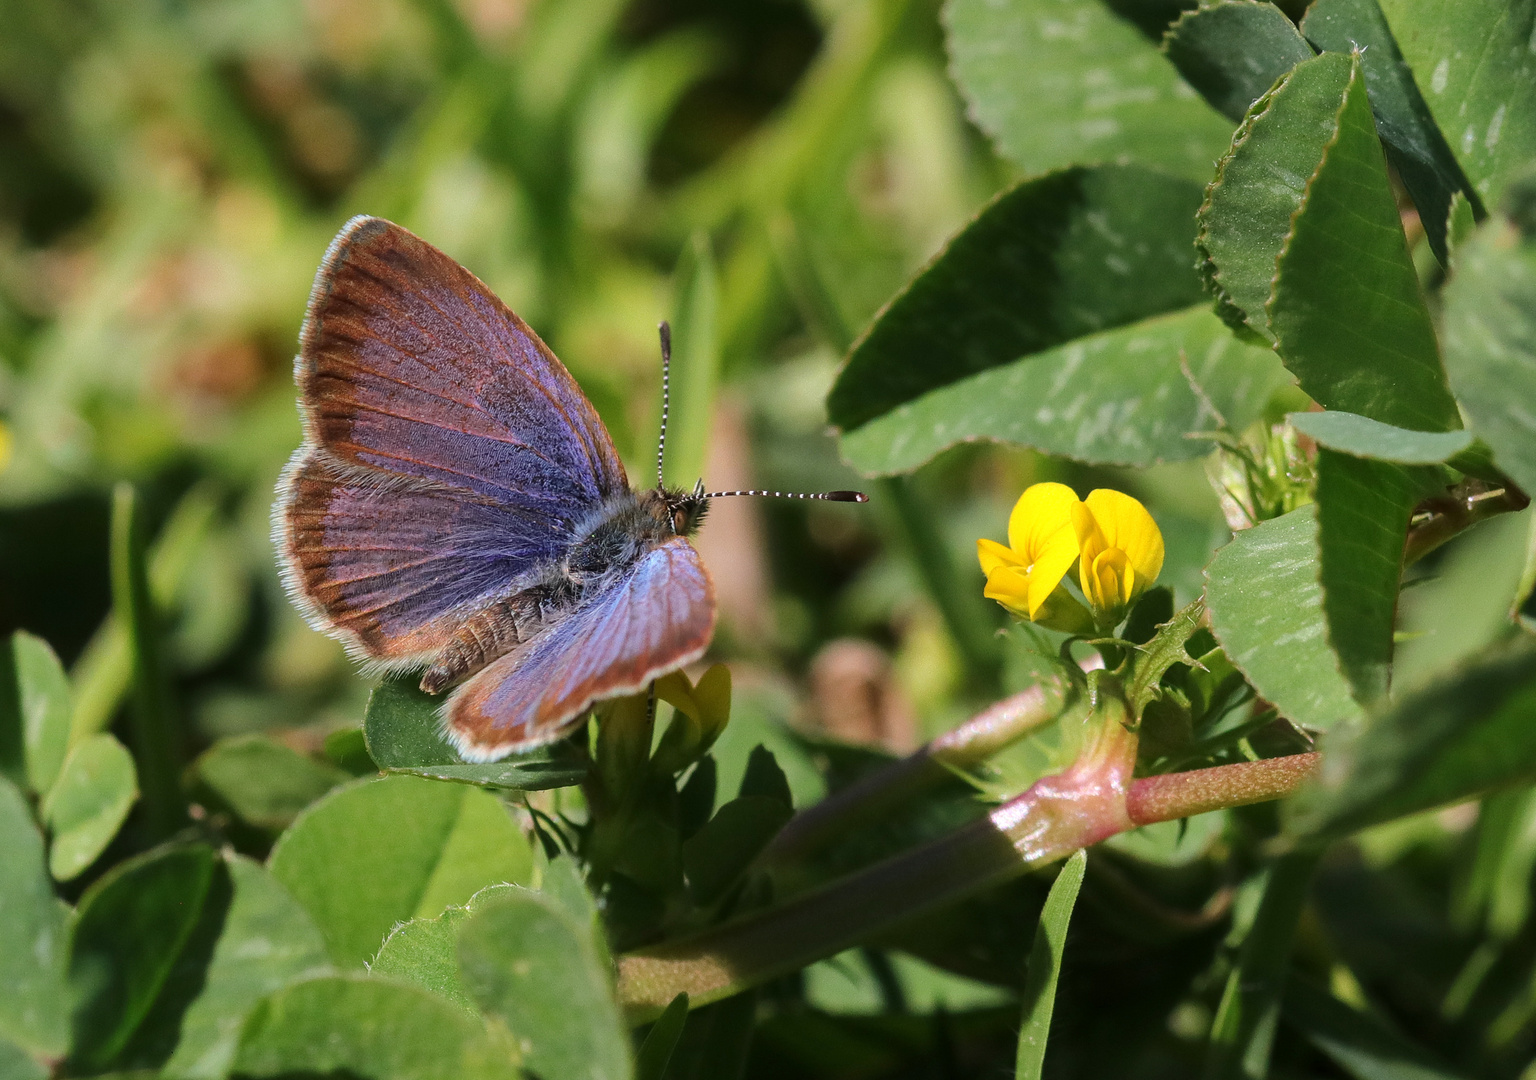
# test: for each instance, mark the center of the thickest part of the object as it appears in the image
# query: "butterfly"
(458, 506)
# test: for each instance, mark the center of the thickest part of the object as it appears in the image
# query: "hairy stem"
(1058, 815)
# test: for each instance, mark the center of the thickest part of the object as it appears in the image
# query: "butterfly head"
(685, 509)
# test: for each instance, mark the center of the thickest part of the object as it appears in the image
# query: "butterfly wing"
(446, 452)
(657, 618)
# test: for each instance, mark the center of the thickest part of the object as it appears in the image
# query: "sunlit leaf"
(33, 1003)
(419, 846)
(88, 804)
(1043, 114)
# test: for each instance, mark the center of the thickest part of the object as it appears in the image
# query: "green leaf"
(1465, 606)
(1260, 184)
(1490, 344)
(1363, 509)
(1234, 50)
(368, 1029)
(656, 1052)
(1464, 735)
(130, 930)
(1045, 967)
(764, 778)
(265, 941)
(265, 783)
(404, 735)
(1361, 1044)
(1472, 59)
(1118, 397)
(1044, 113)
(696, 362)
(530, 964)
(1090, 249)
(1350, 433)
(88, 804)
(34, 713)
(1266, 608)
(156, 749)
(1413, 141)
(422, 952)
(720, 852)
(33, 1010)
(1243, 1032)
(1347, 312)
(419, 846)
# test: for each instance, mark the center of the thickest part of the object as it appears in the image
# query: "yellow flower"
(1110, 537)
(1120, 551)
(1025, 577)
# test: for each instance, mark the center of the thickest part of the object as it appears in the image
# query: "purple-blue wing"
(391, 570)
(424, 395)
(655, 620)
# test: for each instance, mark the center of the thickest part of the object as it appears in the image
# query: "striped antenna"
(666, 398)
(825, 496)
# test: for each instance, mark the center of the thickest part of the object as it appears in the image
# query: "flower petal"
(991, 555)
(1126, 525)
(1042, 512)
(1049, 568)
(1009, 586)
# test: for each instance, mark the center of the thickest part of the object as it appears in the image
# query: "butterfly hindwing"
(657, 618)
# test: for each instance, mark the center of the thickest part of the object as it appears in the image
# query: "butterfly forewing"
(447, 452)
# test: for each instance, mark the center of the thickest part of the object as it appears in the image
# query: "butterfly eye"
(680, 521)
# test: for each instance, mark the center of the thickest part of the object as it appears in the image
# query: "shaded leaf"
(1117, 397)
(1243, 1032)
(1043, 113)
(404, 734)
(763, 778)
(88, 804)
(34, 713)
(420, 846)
(656, 1052)
(1490, 344)
(1465, 606)
(367, 1029)
(129, 932)
(1413, 141)
(263, 782)
(529, 963)
(1363, 508)
(1259, 185)
(1361, 1044)
(1045, 967)
(1472, 59)
(1088, 248)
(265, 941)
(33, 1010)
(718, 854)
(1347, 312)
(1266, 609)
(1234, 50)
(1464, 735)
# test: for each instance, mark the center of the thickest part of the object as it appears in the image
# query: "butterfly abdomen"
(497, 629)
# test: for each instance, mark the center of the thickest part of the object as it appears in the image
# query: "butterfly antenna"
(824, 496)
(666, 398)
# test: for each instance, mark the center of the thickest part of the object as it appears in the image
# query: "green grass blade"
(656, 1052)
(1045, 967)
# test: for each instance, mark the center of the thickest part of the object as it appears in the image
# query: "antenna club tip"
(847, 496)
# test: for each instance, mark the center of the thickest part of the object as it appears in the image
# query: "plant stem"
(154, 740)
(989, 731)
(1058, 815)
